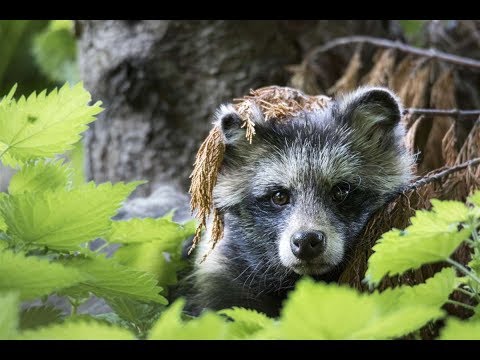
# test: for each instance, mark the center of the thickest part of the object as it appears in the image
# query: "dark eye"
(340, 192)
(281, 198)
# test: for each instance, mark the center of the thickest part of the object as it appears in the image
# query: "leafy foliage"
(32, 277)
(8, 315)
(37, 316)
(49, 218)
(109, 279)
(433, 236)
(43, 125)
(77, 330)
(55, 51)
(461, 330)
(84, 214)
(40, 176)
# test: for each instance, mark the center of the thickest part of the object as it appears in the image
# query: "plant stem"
(453, 302)
(466, 292)
(103, 246)
(463, 269)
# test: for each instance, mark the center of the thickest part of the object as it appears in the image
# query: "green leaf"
(433, 236)
(434, 292)
(456, 329)
(170, 326)
(133, 310)
(77, 163)
(33, 277)
(55, 52)
(108, 279)
(321, 311)
(37, 316)
(44, 125)
(3, 225)
(148, 230)
(78, 330)
(150, 258)
(9, 304)
(63, 220)
(40, 175)
(246, 322)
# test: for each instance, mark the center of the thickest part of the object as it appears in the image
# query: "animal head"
(299, 194)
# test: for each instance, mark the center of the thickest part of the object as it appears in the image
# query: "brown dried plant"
(349, 79)
(382, 71)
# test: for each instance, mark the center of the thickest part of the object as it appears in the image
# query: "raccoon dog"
(296, 199)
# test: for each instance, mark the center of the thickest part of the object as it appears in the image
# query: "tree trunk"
(160, 82)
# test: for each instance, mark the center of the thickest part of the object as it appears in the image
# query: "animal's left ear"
(370, 108)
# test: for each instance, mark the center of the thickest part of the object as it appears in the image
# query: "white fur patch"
(300, 221)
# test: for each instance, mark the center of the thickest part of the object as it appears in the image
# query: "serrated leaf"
(398, 323)
(33, 277)
(321, 311)
(150, 258)
(63, 220)
(134, 311)
(162, 230)
(40, 175)
(432, 237)
(44, 125)
(9, 304)
(3, 225)
(37, 316)
(456, 329)
(434, 292)
(246, 322)
(170, 326)
(108, 279)
(474, 198)
(78, 330)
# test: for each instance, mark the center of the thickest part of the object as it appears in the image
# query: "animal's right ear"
(230, 122)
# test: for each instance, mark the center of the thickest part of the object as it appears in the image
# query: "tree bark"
(161, 81)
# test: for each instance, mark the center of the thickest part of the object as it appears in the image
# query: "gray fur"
(357, 142)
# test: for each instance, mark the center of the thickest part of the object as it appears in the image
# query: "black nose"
(307, 245)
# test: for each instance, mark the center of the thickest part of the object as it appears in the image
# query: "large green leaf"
(44, 125)
(8, 315)
(37, 316)
(150, 257)
(170, 326)
(33, 277)
(78, 330)
(456, 329)
(162, 230)
(40, 175)
(321, 311)
(432, 237)
(62, 220)
(55, 51)
(246, 322)
(108, 279)
(434, 292)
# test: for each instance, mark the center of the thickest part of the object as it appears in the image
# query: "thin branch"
(428, 179)
(439, 112)
(428, 53)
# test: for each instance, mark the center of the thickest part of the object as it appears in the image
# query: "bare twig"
(440, 112)
(428, 53)
(450, 170)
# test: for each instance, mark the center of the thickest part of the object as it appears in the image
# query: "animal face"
(296, 198)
